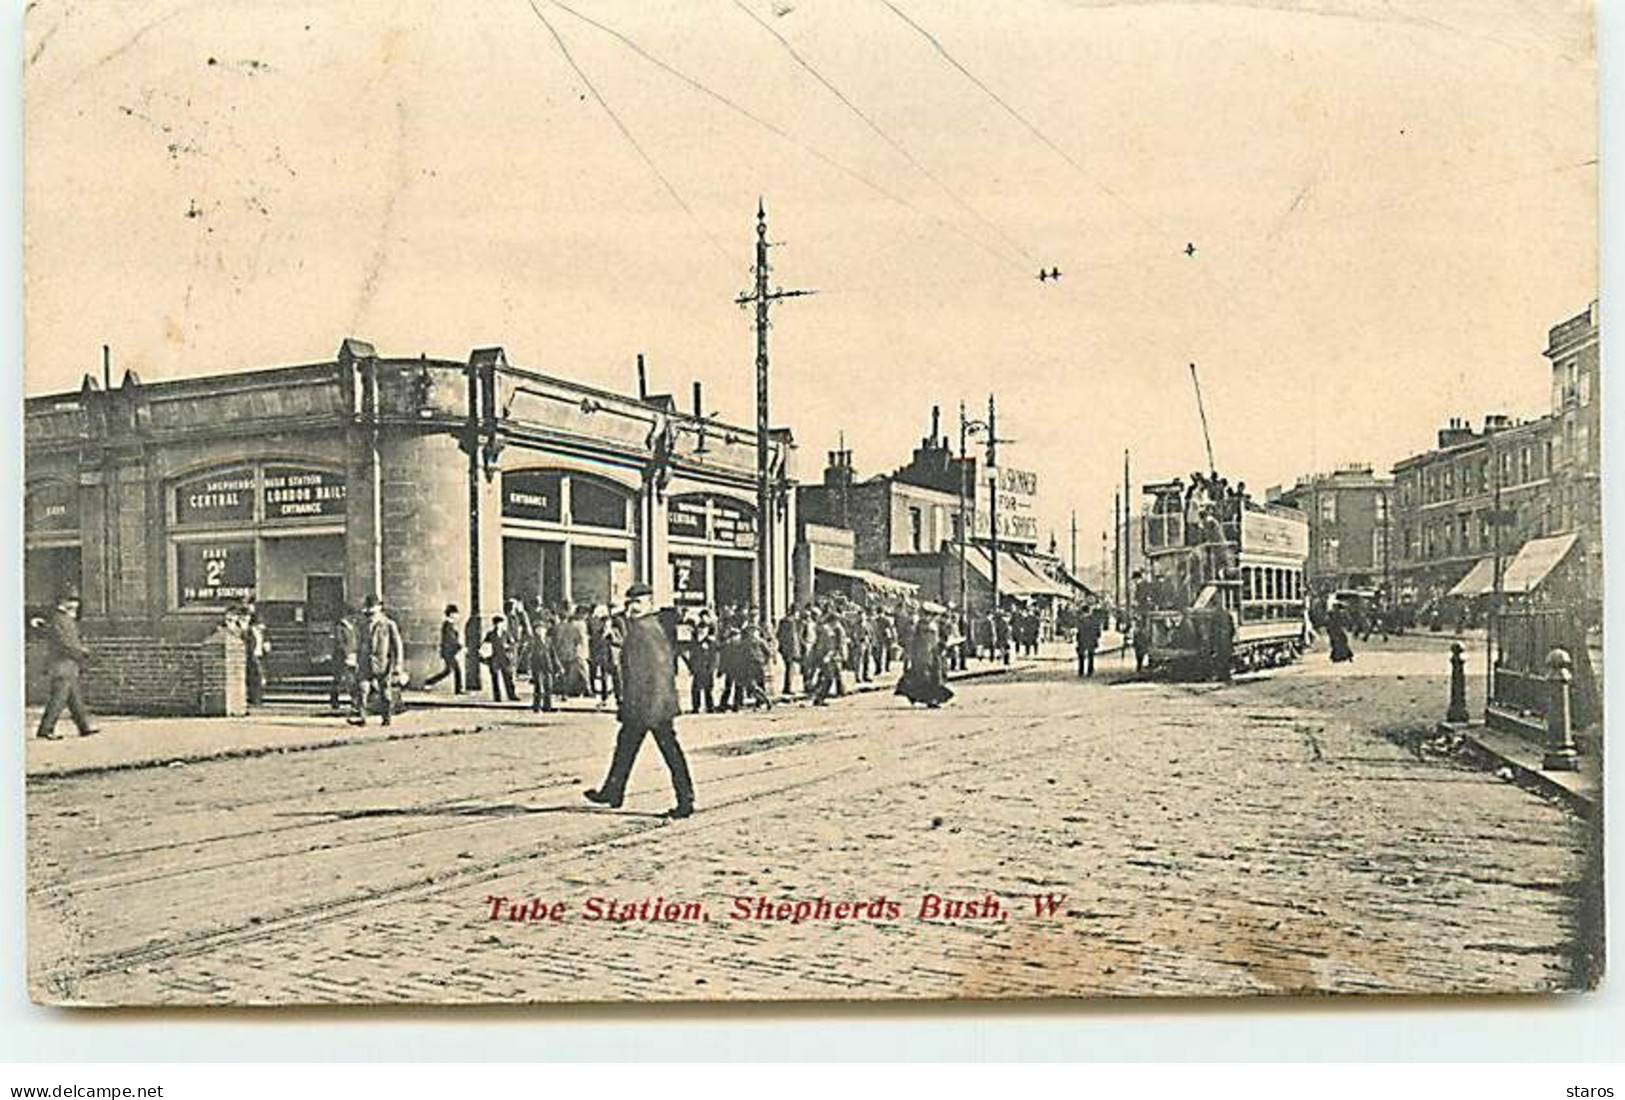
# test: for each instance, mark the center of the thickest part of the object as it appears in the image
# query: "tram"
(1212, 551)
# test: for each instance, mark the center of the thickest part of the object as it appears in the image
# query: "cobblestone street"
(1258, 838)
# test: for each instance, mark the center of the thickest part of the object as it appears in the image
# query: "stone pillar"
(223, 676)
(1561, 753)
(654, 545)
(1457, 711)
(425, 533)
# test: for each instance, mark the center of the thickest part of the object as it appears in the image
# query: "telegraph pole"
(762, 296)
(1073, 557)
(1128, 547)
(1117, 549)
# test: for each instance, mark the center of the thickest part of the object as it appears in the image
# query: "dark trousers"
(502, 679)
(450, 666)
(64, 693)
(627, 743)
(790, 664)
(343, 684)
(256, 680)
(375, 684)
(699, 695)
(1086, 661)
(541, 679)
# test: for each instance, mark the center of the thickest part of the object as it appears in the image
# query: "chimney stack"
(699, 403)
(936, 425)
(643, 380)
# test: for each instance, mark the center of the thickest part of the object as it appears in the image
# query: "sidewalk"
(136, 742)
(1523, 760)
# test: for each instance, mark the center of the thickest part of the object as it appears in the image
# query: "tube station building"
(424, 481)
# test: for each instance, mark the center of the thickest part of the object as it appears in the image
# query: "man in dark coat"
(345, 647)
(451, 652)
(499, 648)
(66, 654)
(1088, 640)
(648, 705)
(544, 666)
(789, 637)
(924, 679)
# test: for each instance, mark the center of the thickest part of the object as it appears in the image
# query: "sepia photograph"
(580, 501)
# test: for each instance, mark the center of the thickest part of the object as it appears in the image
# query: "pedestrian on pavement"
(1088, 640)
(1222, 640)
(755, 656)
(346, 645)
(1001, 635)
(569, 642)
(702, 664)
(256, 646)
(599, 662)
(380, 662)
(544, 669)
(648, 705)
(451, 652)
(789, 638)
(498, 651)
(66, 656)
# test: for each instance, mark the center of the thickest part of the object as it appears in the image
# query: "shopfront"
(269, 531)
(567, 537)
(712, 542)
(51, 553)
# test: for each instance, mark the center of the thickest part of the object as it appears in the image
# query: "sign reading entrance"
(53, 507)
(294, 492)
(214, 572)
(217, 498)
(531, 494)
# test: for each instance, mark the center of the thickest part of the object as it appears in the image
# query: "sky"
(1390, 202)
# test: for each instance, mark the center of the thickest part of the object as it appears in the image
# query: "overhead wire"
(773, 128)
(648, 160)
(884, 135)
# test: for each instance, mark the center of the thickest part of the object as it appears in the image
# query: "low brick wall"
(149, 675)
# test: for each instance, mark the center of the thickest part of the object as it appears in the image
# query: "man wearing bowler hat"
(66, 653)
(648, 705)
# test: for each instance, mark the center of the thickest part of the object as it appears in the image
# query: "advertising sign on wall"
(532, 494)
(214, 572)
(1017, 496)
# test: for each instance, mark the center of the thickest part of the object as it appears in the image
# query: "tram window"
(1247, 583)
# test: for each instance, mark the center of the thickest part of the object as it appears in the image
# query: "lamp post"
(967, 428)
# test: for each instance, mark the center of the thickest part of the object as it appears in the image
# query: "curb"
(1527, 777)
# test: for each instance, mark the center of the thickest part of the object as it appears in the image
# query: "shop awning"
(879, 583)
(1535, 563)
(1016, 577)
(1479, 581)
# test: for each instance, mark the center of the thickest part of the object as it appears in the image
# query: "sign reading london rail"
(292, 492)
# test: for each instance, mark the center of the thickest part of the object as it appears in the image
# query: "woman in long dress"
(923, 680)
(1337, 631)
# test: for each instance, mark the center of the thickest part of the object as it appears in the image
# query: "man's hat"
(639, 589)
(69, 592)
(369, 603)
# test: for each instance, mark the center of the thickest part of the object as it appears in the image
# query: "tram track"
(717, 815)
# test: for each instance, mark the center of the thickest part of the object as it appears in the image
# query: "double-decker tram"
(1211, 552)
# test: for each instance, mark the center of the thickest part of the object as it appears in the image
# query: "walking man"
(345, 647)
(380, 661)
(1088, 641)
(451, 652)
(67, 655)
(648, 705)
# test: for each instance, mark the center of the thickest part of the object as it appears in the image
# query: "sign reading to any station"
(293, 492)
(1017, 494)
(532, 494)
(53, 506)
(688, 580)
(213, 573)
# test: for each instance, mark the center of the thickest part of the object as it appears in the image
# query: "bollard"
(1561, 753)
(1457, 711)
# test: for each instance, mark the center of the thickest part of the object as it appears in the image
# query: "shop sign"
(53, 507)
(686, 519)
(216, 498)
(531, 494)
(214, 572)
(296, 492)
(734, 526)
(688, 580)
